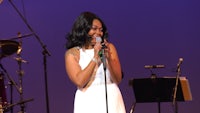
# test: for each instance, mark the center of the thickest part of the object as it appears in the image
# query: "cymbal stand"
(11, 95)
(13, 83)
(21, 73)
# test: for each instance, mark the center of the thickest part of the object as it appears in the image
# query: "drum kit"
(8, 48)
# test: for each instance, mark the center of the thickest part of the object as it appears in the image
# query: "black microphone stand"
(45, 53)
(103, 59)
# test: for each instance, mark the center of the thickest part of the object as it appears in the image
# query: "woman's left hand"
(107, 49)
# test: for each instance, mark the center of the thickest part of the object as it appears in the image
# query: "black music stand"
(160, 90)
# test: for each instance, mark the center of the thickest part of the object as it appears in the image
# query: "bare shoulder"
(73, 52)
(112, 47)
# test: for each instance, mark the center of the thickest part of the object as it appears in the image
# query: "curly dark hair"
(78, 36)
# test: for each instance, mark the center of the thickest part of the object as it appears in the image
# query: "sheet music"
(185, 87)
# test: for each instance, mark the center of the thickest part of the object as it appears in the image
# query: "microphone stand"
(133, 107)
(176, 86)
(45, 53)
(103, 59)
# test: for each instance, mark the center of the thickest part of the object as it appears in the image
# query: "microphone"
(102, 52)
(154, 66)
(179, 62)
(99, 39)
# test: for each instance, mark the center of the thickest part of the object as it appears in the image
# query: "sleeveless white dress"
(92, 98)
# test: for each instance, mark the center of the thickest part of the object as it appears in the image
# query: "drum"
(8, 47)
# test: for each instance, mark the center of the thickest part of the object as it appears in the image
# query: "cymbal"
(8, 47)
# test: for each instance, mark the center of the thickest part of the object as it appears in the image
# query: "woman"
(85, 68)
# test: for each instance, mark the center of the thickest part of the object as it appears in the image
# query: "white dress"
(92, 98)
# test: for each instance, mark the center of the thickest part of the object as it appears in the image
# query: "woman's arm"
(78, 76)
(113, 63)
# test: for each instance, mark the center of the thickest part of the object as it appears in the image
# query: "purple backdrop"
(144, 32)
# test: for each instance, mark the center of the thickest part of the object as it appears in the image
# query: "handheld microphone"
(102, 52)
(99, 39)
(154, 66)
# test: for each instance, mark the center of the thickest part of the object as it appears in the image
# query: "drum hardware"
(23, 36)
(9, 47)
(45, 52)
(21, 74)
(11, 81)
(18, 103)
(3, 99)
(8, 107)
(19, 89)
(20, 60)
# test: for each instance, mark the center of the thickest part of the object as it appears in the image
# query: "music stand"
(160, 90)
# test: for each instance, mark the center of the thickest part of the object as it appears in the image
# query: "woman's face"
(95, 31)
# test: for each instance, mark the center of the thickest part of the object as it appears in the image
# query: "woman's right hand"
(97, 48)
